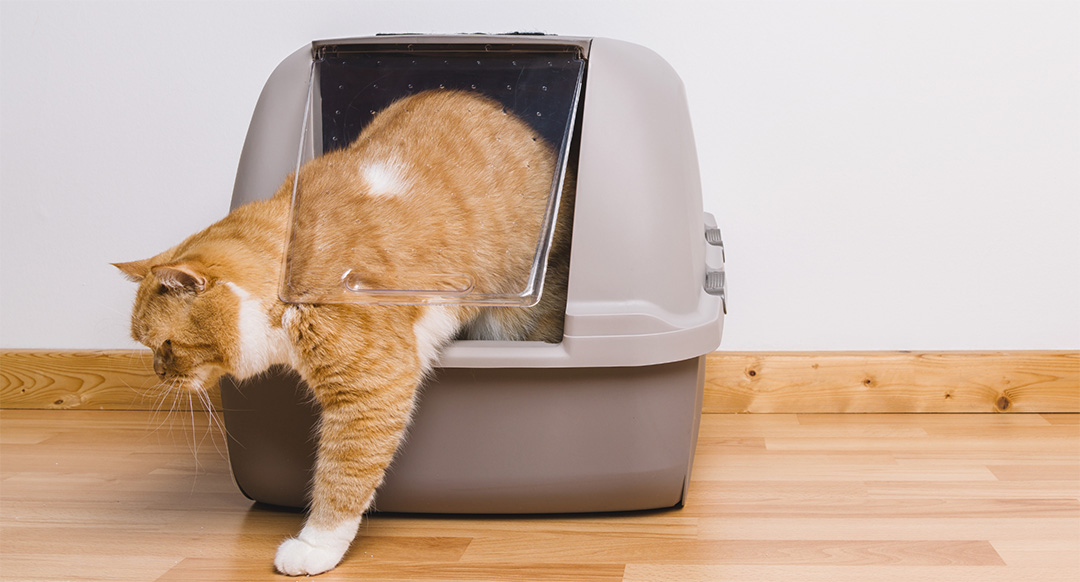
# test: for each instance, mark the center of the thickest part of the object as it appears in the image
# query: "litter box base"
(493, 440)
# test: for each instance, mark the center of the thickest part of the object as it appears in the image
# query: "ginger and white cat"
(439, 182)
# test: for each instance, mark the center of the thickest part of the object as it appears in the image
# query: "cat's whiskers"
(159, 392)
(168, 390)
(174, 392)
(214, 422)
(172, 407)
(194, 442)
(139, 363)
(195, 396)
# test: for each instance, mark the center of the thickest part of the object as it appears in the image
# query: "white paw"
(315, 550)
(296, 557)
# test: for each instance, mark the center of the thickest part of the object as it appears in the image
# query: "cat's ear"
(180, 276)
(135, 271)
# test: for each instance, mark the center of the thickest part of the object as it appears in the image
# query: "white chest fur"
(261, 344)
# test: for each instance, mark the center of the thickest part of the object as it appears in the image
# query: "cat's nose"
(163, 358)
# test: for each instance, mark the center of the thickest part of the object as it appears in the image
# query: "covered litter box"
(605, 420)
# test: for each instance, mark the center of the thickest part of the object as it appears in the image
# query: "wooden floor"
(130, 496)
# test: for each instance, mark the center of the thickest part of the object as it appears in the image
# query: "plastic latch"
(714, 238)
(716, 284)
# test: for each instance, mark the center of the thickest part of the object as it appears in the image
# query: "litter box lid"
(349, 85)
(644, 259)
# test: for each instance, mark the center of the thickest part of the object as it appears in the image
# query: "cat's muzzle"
(163, 359)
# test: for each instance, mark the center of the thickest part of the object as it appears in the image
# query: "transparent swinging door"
(351, 84)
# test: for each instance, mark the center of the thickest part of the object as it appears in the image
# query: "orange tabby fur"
(440, 182)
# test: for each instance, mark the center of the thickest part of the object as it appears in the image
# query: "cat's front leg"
(357, 440)
(366, 394)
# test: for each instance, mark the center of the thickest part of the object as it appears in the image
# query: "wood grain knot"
(1003, 403)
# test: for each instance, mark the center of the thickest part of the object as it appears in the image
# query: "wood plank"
(1000, 529)
(763, 382)
(371, 570)
(87, 380)
(61, 566)
(1031, 553)
(869, 382)
(120, 495)
(814, 573)
(601, 549)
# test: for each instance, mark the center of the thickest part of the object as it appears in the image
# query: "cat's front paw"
(315, 550)
(296, 557)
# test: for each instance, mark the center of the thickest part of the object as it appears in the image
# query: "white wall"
(888, 175)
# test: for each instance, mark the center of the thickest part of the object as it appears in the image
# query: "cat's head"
(190, 317)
